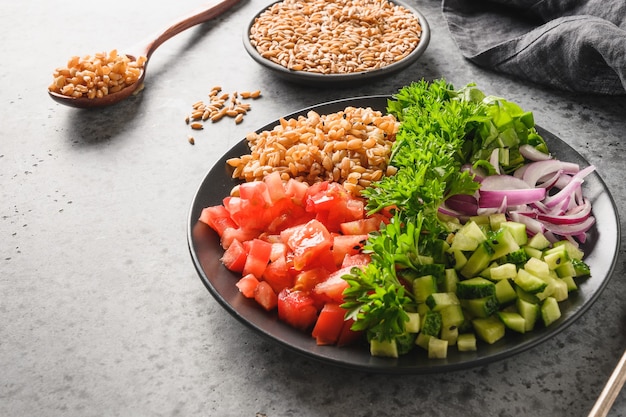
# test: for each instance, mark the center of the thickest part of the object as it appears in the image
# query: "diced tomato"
(332, 289)
(308, 279)
(297, 190)
(218, 218)
(279, 250)
(344, 245)
(237, 233)
(284, 214)
(297, 309)
(307, 241)
(234, 257)
(265, 296)
(361, 226)
(256, 193)
(359, 259)
(356, 207)
(348, 336)
(329, 324)
(278, 275)
(333, 205)
(247, 285)
(258, 257)
(275, 186)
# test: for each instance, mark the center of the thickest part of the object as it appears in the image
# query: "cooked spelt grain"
(316, 148)
(335, 36)
(97, 75)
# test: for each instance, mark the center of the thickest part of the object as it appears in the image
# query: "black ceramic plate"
(601, 249)
(315, 79)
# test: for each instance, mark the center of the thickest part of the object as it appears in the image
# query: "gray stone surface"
(102, 313)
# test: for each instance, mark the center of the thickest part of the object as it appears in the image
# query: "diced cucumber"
(422, 340)
(505, 293)
(529, 282)
(538, 268)
(519, 257)
(450, 334)
(459, 259)
(529, 311)
(517, 230)
(423, 287)
(550, 311)
(450, 279)
(489, 329)
(413, 325)
(581, 268)
(570, 282)
(513, 321)
(387, 348)
(468, 237)
(466, 342)
(422, 309)
(477, 261)
(431, 324)
(504, 271)
(439, 300)
(477, 287)
(482, 220)
(437, 348)
(502, 243)
(538, 241)
(496, 221)
(452, 316)
(481, 307)
(556, 288)
(555, 257)
(532, 252)
(524, 295)
(573, 251)
(566, 269)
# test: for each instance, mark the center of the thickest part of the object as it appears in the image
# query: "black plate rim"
(313, 79)
(387, 365)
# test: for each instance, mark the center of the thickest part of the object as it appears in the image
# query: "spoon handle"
(200, 16)
(611, 390)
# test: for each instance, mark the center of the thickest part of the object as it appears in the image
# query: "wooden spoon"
(185, 23)
(612, 388)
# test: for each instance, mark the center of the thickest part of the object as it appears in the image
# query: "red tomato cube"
(297, 309)
(265, 296)
(247, 285)
(259, 253)
(329, 324)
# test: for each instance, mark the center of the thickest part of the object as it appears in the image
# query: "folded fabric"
(572, 45)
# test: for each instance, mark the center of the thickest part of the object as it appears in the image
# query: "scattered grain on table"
(219, 106)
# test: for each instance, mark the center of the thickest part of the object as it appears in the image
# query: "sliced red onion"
(551, 169)
(575, 215)
(495, 188)
(533, 154)
(574, 229)
(494, 160)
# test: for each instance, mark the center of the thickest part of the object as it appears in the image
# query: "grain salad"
(96, 76)
(335, 36)
(351, 147)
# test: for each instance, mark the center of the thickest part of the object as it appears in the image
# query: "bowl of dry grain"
(336, 41)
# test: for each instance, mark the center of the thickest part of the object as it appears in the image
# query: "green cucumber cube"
(489, 329)
(466, 342)
(437, 348)
(550, 311)
(384, 348)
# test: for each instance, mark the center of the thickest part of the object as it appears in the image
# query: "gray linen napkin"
(572, 45)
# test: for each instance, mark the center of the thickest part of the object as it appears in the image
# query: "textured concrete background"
(102, 313)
